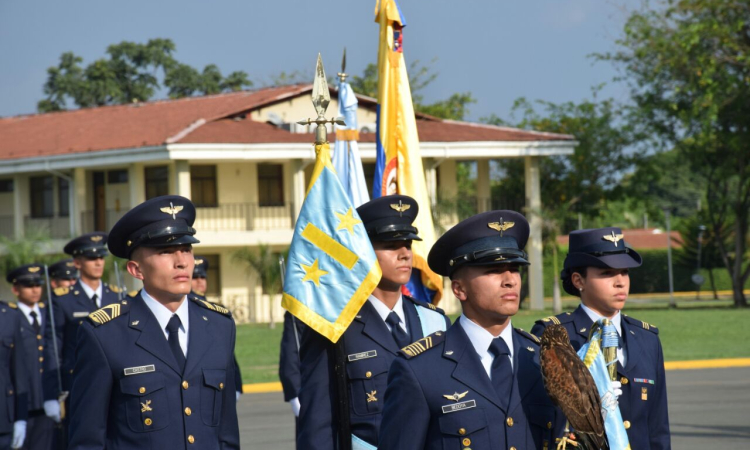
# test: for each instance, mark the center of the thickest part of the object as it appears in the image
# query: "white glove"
(19, 434)
(617, 387)
(237, 393)
(52, 410)
(295, 406)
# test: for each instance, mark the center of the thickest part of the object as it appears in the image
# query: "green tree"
(264, 263)
(687, 255)
(27, 250)
(688, 65)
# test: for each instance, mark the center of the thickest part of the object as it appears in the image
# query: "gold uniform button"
(148, 422)
(185, 385)
(462, 431)
(626, 424)
(623, 381)
(41, 359)
(41, 348)
(509, 421)
(10, 392)
(512, 448)
(41, 370)
(368, 374)
(39, 337)
(549, 425)
(466, 442)
(71, 370)
(221, 385)
(142, 390)
(191, 439)
(188, 411)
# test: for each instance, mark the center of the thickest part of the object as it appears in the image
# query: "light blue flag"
(332, 268)
(346, 157)
(592, 357)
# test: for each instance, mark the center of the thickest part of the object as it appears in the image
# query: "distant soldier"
(26, 282)
(63, 273)
(597, 270)
(289, 362)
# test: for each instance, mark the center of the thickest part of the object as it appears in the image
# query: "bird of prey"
(571, 387)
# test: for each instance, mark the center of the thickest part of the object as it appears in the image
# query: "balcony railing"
(54, 227)
(244, 217)
(109, 218)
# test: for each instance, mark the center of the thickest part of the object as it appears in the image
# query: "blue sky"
(498, 50)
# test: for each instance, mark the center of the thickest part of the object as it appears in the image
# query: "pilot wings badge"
(455, 396)
(614, 238)
(172, 210)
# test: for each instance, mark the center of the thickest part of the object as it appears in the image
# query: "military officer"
(156, 370)
(63, 273)
(386, 322)
(71, 305)
(26, 283)
(289, 370)
(597, 270)
(200, 285)
(478, 385)
(14, 374)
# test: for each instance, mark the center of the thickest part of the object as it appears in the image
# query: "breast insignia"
(527, 335)
(212, 306)
(106, 313)
(60, 291)
(455, 396)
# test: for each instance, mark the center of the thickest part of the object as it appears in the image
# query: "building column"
(18, 206)
(430, 178)
(298, 187)
(484, 193)
(78, 199)
(137, 184)
(534, 246)
(182, 178)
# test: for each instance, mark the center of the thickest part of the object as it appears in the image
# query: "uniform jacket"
(370, 349)
(129, 393)
(33, 345)
(418, 414)
(70, 307)
(13, 372)
(289, 364)
(643, 403)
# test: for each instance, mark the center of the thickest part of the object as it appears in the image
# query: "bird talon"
(562, 443)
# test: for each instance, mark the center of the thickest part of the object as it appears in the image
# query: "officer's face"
(200, 284)
(488, 294)
(57, 282)
(28, 295)
(395, 259)
(166, 272)
(91, 268)
(604, 290)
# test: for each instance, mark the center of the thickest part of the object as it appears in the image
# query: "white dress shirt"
(90, 292)
(163, 315)
(617, 322)
(481, 339)
(26, 310)
(383, 311)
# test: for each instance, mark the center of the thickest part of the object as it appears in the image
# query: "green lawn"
(695, 330)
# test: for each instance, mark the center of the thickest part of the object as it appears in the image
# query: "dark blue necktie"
(502, 372)
(173, 327)
(399, 335)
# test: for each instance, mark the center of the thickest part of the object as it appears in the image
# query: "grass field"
(695, 330)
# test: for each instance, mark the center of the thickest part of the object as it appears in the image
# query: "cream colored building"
(242, 160)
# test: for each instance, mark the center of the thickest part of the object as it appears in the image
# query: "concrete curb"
(262, 388)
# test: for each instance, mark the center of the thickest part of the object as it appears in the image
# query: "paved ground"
(709, 408)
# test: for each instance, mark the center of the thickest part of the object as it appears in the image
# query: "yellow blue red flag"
(332, 268)
(398, 168)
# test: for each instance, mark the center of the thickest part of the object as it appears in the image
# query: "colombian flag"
(398, 168)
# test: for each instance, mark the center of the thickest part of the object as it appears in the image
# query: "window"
(6, 185)
(41, 196)
(63, 196)
(203, 186)
(117, 176)
(213, 275)
(271, 184)
(157, 181)
(368, 169)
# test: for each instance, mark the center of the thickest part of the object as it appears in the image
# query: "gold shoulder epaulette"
(527, 335)
(552, 319)
(639, 323)
(422, 345)
(41, 304)
(107, 313)
(13, 305)
(115, 289)
(212, 306)
(62, 290)
(132, 293)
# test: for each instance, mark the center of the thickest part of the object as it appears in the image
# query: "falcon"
(572, 388)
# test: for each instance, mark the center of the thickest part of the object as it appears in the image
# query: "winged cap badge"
(34, 269)
(198, 262)
(172, 209)
(96, 238)
(400, 207)
(501, 226)
(614, 238)
(455, 396)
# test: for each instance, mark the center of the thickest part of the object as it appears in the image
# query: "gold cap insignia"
(34, 269)
(70, 264)
(400, 207)
(531, 349)
(198, 262)
(501, 226)
(172, 210)
(614, 238)
(455, 396)
(96, 238)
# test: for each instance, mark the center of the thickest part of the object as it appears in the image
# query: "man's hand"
(617, 387)
(19, 434)
(52, 410)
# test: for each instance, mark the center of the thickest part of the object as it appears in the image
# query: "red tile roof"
(207, 119)
(643, 238)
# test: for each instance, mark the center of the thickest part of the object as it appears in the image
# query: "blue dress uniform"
(14, 376)
(369, 346)
(643, 403)
(289, 364)
(130, 389)
(439, 394)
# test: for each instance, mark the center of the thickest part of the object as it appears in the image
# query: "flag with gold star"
(332, 268)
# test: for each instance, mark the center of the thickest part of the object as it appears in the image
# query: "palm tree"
(265, 264)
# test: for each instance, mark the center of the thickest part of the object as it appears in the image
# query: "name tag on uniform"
(139, 370)
(81, 314)
(363, 355)
(459, 406)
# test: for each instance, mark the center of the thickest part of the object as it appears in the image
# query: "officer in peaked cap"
(70, 305)
(156, 370)
(63, 273)
(387, 321)
(478, 385)
(597, 269)
(26, 282)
